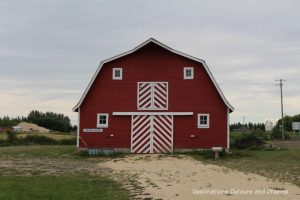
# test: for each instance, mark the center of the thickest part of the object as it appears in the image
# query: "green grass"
(88, 182)
(39, 151)
(282, 165)
(81, 187)
(54, 135)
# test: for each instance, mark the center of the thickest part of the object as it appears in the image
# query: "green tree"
(50, 120)
(10, 122)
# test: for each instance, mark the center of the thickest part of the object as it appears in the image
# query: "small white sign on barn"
(296, 126)
(92, 130)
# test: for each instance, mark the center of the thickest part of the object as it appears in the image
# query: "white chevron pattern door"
(152, 134)
(140, 134)
(160, 95)
(152, 96)
(162, 134)
(144, 95)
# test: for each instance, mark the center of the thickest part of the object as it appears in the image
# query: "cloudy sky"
(49, 50)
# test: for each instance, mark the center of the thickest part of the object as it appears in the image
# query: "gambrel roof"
(165, 47)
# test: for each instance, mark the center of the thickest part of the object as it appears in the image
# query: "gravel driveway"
(181, 177)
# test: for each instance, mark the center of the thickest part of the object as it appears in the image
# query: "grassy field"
(37, 151)
(54, 135)
(282, 165)
(57, 172)
(60, 187)
(54, 172)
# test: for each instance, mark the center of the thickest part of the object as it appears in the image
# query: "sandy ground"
(168, 177)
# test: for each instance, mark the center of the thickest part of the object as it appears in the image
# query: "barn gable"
(151, 40)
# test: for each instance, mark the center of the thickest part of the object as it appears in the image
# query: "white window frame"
(114, 73)
(185, 75)
(203, 125)
(152, 96)
(98, 119)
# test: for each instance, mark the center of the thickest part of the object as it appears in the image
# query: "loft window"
(203, 120)
(188, 73)
(117, 73)
(102, 120)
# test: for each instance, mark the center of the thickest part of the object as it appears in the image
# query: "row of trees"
(10, 122)
(248, 126)
(49, 120)
(287, 122)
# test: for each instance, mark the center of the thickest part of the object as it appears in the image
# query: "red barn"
(152, 99)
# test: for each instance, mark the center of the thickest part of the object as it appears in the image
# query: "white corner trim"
(228, 130)
(152, 113)
(163, 46)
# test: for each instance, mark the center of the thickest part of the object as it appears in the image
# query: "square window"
(117, 73)
(102, 120)
(188, 73)
(203, 120)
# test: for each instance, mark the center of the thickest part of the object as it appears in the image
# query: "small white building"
(268, 125)
(17, 128)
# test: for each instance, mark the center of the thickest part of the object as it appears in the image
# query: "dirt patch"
(169, 177)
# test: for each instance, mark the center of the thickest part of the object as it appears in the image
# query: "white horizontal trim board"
(163, 46)
(151, 113)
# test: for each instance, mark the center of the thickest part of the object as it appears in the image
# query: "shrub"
(262, 134)
(71, 141)
(12, 139)
(248, 141)
(4, 142)
(277, 134)
(11, 136)
(37, 139)
(235, 136)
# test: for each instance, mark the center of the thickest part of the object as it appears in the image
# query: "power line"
(282, 123)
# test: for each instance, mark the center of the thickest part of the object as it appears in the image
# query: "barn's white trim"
(163, 46)
(151, 113)
(228, 130)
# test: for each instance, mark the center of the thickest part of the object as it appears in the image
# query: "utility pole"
(282, 122)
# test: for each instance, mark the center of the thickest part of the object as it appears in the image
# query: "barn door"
(152, 95)
(162, 133)
(152, 134)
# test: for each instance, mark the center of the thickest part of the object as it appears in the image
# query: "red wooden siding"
(154, 64)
